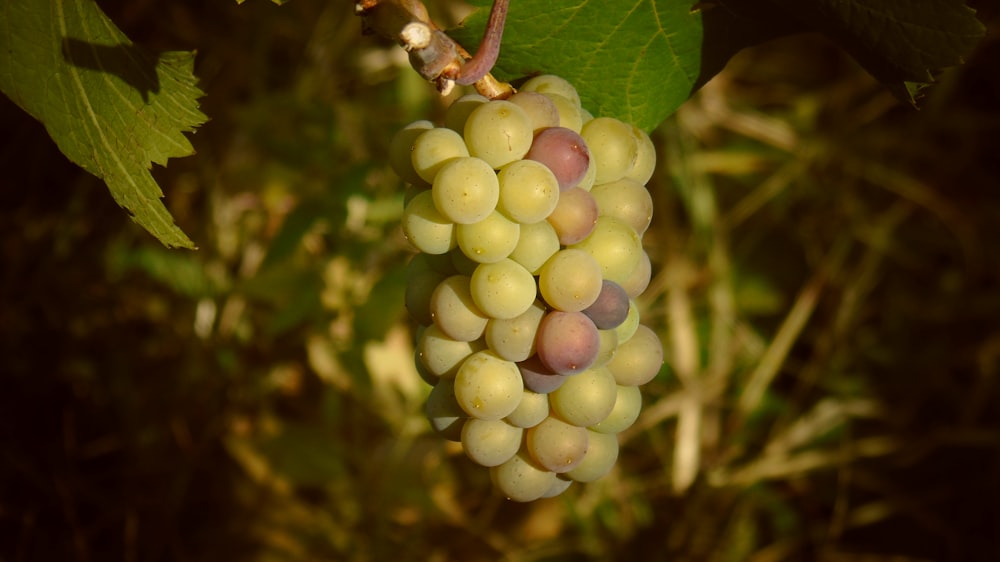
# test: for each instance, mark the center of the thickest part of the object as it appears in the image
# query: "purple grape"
(537, 377)
(564, 152)
(610, 308)
(567, 342)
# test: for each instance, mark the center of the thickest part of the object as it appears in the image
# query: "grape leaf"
(637, 61)
(111, 107)
(902, 43)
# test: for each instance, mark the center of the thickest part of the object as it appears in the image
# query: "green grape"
(625, 330)
(570, 115)
(503, 289)
(556, 445)
(490, 442)
(427, 229)
(645, 160)
(560, 486)
(586, 398)
(443, 412)
(420, 286)
(615, 246)
(609, 345)
(612, 148)
(638, 359)
(488, 387)
(529, 191)
(628, 403)
(498, 132)
(587, 183)
(489, 240)
(461, 262)
(532, 409)
(400, 148)
(552, 84)
(600, 459)
(454, 312)
(637, 283)
(433, 149)
(536, 244)
(570, 280)
(514, 338)
(466, 190)
(542, 112)
(458, 112)
(442, 355)
(575, 216)
(625, 199)
(521, 479)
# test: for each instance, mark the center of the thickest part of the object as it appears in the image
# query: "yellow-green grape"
(570, 280)
(425, 228)
(529, 191)
(531, 411)
(637, 283)
(556, 445)
(560, 486)
(570, 115)
(552, 84)
(609, 345)
(628, 403)
(420, 285)
(638, 359)
(625, 330)
(536, 244)
(454, 311)
(600, 459)
(645, 160)
(587, 183)
(443, 412)
(514, 338)
(498, 132)
(488, 387)
(400, 148)
(466, 190)
(489, 240)
(625, 199)
(490, 442)
(435, 147)
(521, 479)
(458, 112)
(542, 112)
(442, 355)
(585, 115)
(586, 398)
(503, 289)
(615, 246)
(461, 262)
(612, 148)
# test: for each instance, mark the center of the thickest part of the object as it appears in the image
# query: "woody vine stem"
(433, 54)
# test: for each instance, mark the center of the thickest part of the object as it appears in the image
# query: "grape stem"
(433, 54)
(489, 48)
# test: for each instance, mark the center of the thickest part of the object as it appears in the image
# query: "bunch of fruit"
(528, 214)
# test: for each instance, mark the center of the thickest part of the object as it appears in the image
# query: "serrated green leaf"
(111, 107)
(637, 61)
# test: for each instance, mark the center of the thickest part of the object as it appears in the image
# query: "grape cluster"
(528, 214)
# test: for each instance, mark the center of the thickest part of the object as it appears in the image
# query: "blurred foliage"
(827, 287)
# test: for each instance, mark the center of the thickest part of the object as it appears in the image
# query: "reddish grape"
(537, 377)
(610, 308)
(567, 342)
(564, 152)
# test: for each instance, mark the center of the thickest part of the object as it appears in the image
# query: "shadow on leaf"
(133, 64)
